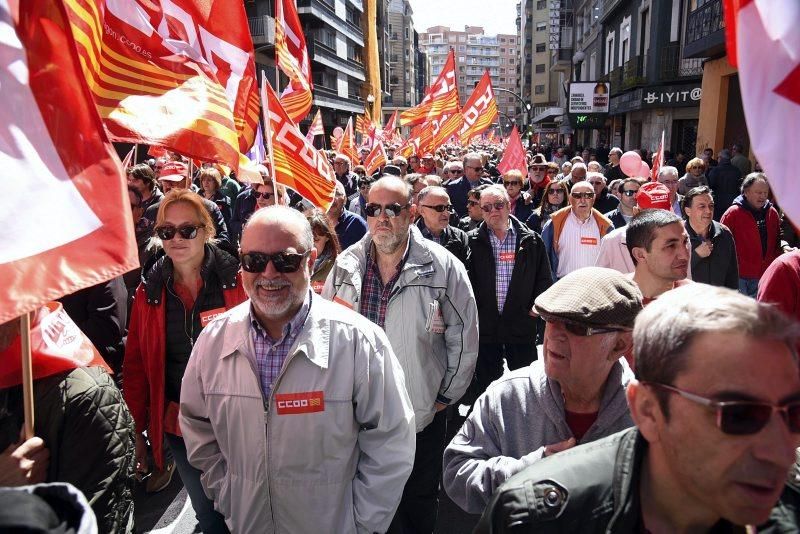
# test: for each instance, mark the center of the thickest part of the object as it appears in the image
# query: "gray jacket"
(512, 423)
(431, 319)
(329, 450)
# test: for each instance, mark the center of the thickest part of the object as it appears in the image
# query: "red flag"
(66, 214)
(480, 111)
(658, 159)
(514, 155)
(128, 161)
(292, 58)
(441, 98)
(376, 158)
(316, 127)
(449, 127)
(762, 42)
(57, 345)
(294, 161)
(178, 73)
(347, 143)
(391, 126)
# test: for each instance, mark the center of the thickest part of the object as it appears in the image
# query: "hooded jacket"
(753, 256)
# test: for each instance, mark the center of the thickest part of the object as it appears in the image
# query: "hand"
(560, 446)
(704, 249)
(527, 197)
(141, 455)
(439, 407)
(24, 463)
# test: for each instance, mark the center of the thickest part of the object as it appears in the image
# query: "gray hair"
(281, 215)
(595, 175)
(343, 157)
(473, 156)
(578, 165)
(752, 178)
(594, 166)
(667, 169)
(431, 189)
(665, 330)
(498, 190)
(616, 150)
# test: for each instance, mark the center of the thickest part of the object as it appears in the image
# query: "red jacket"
(144, 365)
(752, 263)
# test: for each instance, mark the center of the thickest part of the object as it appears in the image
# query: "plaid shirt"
(427, 234)
(504, 255)
(374, 295)
(270, 354)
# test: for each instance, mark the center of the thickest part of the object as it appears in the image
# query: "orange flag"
(451, 126)
(347, 143)
(376, 158)
(480, 111)
(441, 98)
(291, 55)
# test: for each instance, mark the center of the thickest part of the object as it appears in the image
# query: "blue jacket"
(350, 228)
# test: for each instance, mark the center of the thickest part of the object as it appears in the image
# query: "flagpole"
(135, 153)
(27, 374)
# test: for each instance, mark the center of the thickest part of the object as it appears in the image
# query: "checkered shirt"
(503, 269)
(427, 234)
(374, 295)
(270, 354)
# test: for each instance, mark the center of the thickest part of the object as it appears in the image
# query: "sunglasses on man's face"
(265, 195)
(284, 262)
(577, 195)
(487, 208)
(630, 192)
(740, 418)
(456, 171)
(186, 231)
(473, 203)
(440, 208)
(392, 210)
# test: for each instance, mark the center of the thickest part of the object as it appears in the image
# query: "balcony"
(324, 10)
(322, 53)
(705, 31)
(262, 30)
(628, 76)
(673, 67)
(326, 97)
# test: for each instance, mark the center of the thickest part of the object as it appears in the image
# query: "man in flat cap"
(575, 394)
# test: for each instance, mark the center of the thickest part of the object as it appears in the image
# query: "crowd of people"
(625, 350)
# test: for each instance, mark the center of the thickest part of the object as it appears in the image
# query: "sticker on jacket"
(297, 403)
(208, 316)
(588, 240)
(435, 322)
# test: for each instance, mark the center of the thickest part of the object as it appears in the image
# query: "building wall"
(717, 74)
(403, 60)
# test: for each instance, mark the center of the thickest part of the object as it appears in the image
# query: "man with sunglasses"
(575, 395)
(349, 226)
(717, 410)
(294, 408)
(420, 294)
(624, 212)
(474, 213)
(572, 235)
(434, 208)
(458, 188)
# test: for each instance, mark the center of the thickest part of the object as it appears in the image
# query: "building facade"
(403, 56)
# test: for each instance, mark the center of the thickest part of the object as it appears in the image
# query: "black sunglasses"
(186, 231)
(577, 196)
(265, 195)
(740, 418)
(512, 182)
(456, 171)
(439, 209)
(487, 208)
(585, 331)
(630, 192)
(284, 262)
(555, 191)
(392, 210)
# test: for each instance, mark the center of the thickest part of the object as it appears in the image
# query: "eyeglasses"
(556, 192)
(440, 208)
(578, 196)
(392, 210)
(487, 208)
(265, 195)
(630, 192)
(740, 418)
(585, 331)
(284, 262)
(512, 182)
(186, 231)
(456, 171)
(596, 183)
(552, 171)
(472, 203)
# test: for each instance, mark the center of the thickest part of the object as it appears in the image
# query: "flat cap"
(594, 297)
(394, 170)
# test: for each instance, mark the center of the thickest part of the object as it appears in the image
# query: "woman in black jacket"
(554, 198)
(713, 250)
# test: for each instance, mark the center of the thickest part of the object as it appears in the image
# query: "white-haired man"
(344, 174)
(668, 176)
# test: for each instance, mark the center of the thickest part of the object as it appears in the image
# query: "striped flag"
(347, 143)
(391, 126)
(480, 111)
(177, 74)
(256, 153)
(441, 98)
(451, 126)
(376, 158)
(294, 161)
(292, 58)
(316, 127)
(658, 159)
(362, 124)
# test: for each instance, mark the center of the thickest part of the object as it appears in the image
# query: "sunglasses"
(578, 196)
(487, 208)
(284, 262)
(585, 331)
(552, 171)
(186, 231)
(556, 192)
(440, 208)
(741, 418)
(512, 182)
(630, 192)
(265, 196)
(456, 171)
(391, 210)
(472, 203)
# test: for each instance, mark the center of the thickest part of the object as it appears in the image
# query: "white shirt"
(578, 244)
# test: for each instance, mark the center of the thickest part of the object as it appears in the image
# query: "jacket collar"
(354, 259)
(519, 230)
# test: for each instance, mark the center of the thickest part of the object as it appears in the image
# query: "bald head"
(393, 184)
(279, 219)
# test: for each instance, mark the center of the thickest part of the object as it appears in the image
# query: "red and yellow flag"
(480, 111)
(291, 55)
(316, 127)
(347, 143)
(376, 158)
(295, 161)
(446, 129)
(177, 74)
(440, 99)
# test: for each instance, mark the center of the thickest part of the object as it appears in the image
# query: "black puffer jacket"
(88, 430)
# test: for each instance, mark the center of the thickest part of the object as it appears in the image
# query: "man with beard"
(420, 294)
(291, 403)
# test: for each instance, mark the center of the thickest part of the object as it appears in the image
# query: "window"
(541, 4)
(511, 61)
(540, 68)
(541, 26)
(540, 47)
(502, 39)
(512, 40)
(461, 59)
(502, 71)
(539, 90)
(502, 50)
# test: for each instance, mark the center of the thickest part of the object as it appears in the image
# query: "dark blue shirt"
(457, 191)
(350, 228)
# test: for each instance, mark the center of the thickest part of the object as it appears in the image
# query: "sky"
(496, 16)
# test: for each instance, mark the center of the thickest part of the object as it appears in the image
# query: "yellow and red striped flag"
(362, 124)
(480, 111)
(347, 143)
(446, 129)
(376, 158)
(316, 127)
(177, 74)
(291, 55)
(440, 99)
(295, 162)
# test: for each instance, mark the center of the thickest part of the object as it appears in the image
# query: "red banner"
(440, 99)
(451, 126)
(347, 143)
(513, 155)
(295, 161)
(178, 73)
(316, 127)
(480, 111)
(291, 55)
(376, 158)
(66, 213)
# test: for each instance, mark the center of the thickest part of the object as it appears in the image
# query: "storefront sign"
(671, 96)
(588, 97)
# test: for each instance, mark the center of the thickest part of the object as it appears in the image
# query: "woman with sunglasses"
(327, 246)
(179, 295)
(554, 198)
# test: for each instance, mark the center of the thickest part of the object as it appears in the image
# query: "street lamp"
(577, 60)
